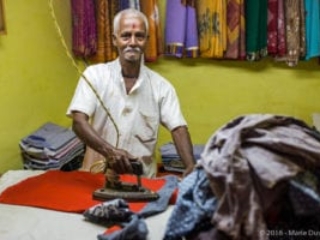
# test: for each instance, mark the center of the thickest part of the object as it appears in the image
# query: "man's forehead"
(132, 21)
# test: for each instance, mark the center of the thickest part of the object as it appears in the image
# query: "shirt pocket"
(146, 127)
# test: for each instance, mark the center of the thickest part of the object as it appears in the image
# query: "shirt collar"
(140, 79)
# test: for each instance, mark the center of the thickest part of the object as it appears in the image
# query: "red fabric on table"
(69, 191)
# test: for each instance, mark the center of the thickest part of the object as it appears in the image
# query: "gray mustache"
(129, 49)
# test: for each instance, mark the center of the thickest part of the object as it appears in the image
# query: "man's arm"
(183, 144)
(91, 138)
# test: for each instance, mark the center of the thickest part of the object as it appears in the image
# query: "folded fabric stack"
(171, 160)
(50, 147)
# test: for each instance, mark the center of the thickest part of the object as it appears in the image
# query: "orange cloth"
(105, 11)
(155, 43)
(68, 191)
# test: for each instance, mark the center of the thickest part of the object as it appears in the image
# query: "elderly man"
(137, 100)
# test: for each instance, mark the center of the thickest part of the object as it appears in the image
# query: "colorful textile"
(104, 15)
(181, 29)
(191, 39)
(281, 36)
(212, 28)
(124, 4)
(293, 30)
(175, 28)
(256, 29)
(155, 43)
(235, 30)
(61, 191)
(272, 27)
(303, 43)
(312, 28)
(84, 36)
(194, 207)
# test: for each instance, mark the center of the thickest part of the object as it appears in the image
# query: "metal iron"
(114, 188)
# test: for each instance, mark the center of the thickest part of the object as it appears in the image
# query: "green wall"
(36, 77)
(37, 81)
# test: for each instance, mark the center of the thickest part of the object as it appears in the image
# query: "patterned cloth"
(129, 4)
(281, 38)
(83, 28)
(194, 207)
(272, 27)
(212, 28)
(109, 212)
(236, 30)
(293, 30)
(118, 212)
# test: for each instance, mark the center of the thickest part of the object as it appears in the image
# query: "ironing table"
(25, 222)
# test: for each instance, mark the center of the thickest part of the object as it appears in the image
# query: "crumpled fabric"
(135, 229)
(130, 224)
(109, 213)
(194, 207)
(248, 161)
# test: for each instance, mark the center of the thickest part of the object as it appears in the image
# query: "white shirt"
(151, 101)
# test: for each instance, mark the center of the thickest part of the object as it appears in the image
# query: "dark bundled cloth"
(248, 162)
(117, 212)
(263, 170)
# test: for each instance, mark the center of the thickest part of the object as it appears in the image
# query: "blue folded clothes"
(50, 147)
(171, 160)
(50, 136)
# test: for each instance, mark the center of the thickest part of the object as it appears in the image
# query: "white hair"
(129, 11)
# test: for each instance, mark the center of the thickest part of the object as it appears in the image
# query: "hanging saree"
(281, 35)
(155, 44)
(124, 4)
(235, 30)
(175, 28)
(104, 15)
(181, 34)
(312, 28)
(191, 37)
(256, 29)
(293, 31)
(212, 27)
(272, 27)
(303, 43)
(83, 28)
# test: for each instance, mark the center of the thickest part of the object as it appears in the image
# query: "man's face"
(131, 38)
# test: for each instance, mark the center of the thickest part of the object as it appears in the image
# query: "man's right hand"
(120, 161)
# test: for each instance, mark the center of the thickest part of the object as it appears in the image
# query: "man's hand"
(120, 161)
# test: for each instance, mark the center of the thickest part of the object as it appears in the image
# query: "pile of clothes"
(171, 160)
(257, 178)
(52, 147)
